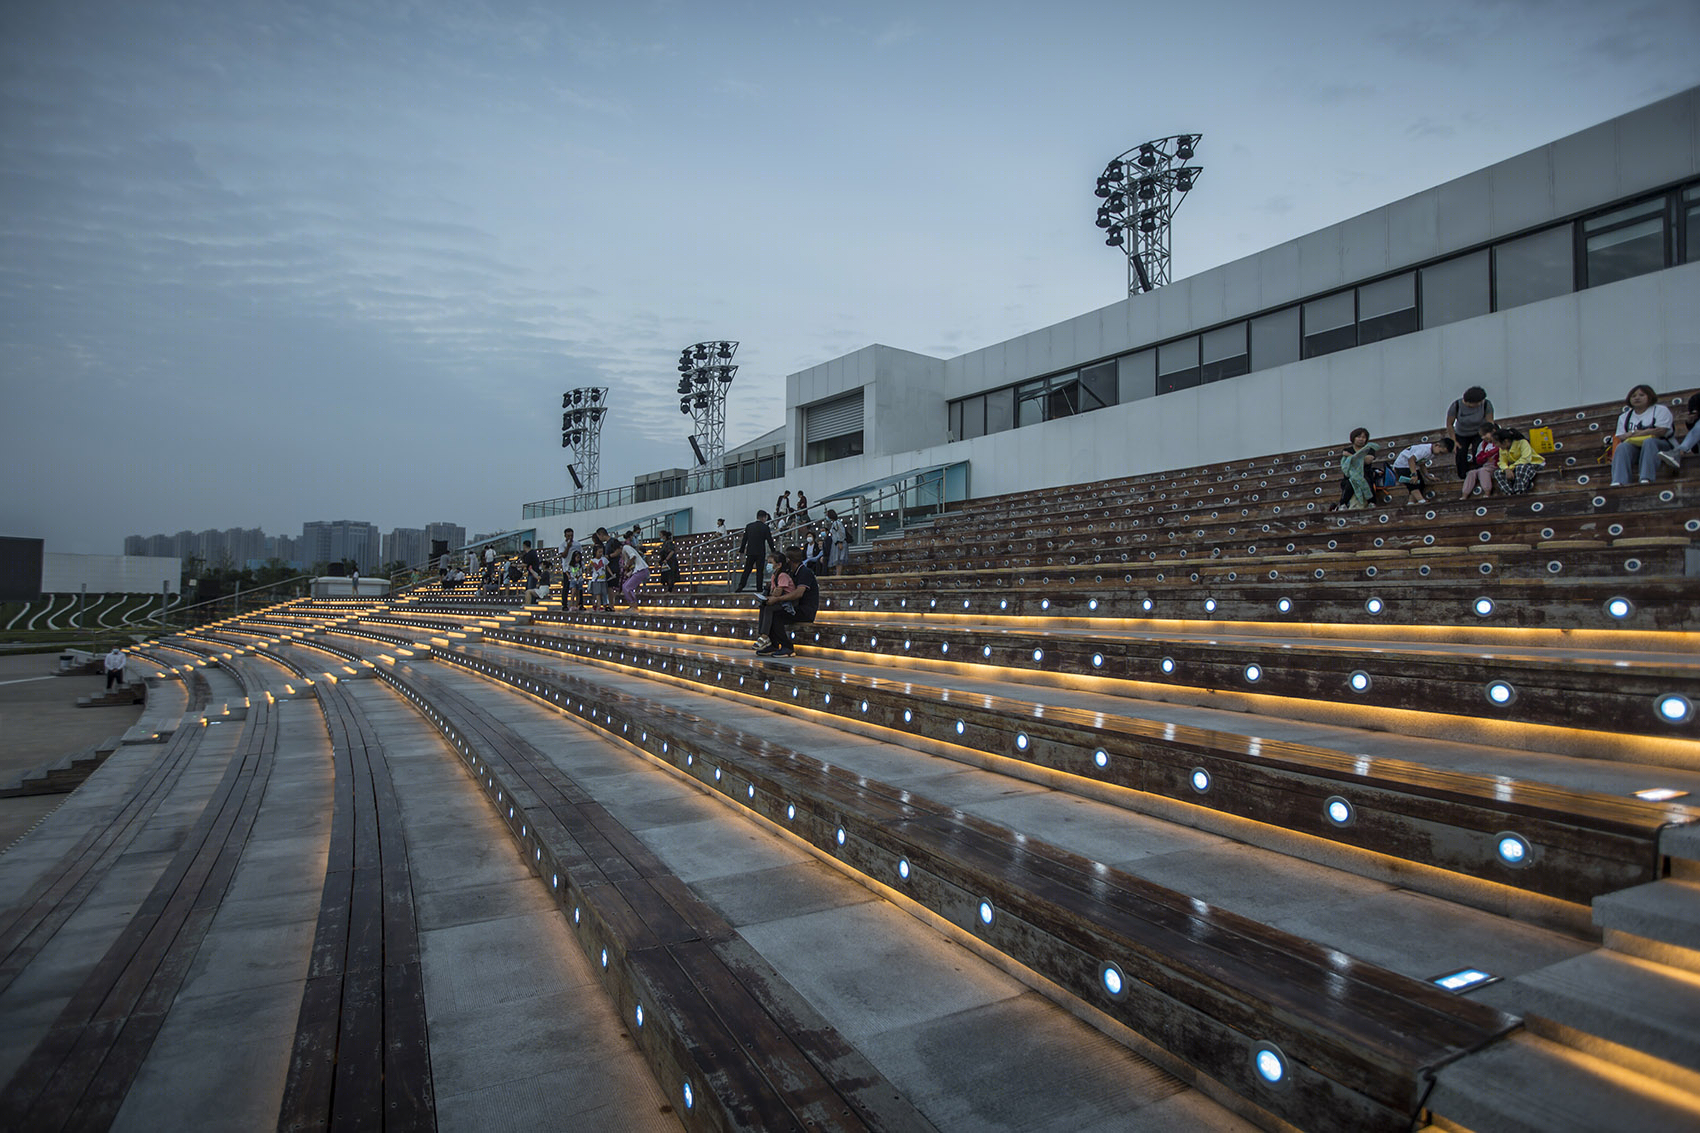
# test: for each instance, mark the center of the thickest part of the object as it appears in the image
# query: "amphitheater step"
(1667, 911)
(1528, 1084)
(1647, 1009)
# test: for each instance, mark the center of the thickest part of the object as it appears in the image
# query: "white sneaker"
(1617, 483)
(1671, 459)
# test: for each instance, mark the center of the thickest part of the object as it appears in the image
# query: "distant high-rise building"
(451, 533)
(407, 545)
(334, 541)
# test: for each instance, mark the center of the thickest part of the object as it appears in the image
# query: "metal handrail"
(188, 613)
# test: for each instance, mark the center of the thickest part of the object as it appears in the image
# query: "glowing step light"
(1464, 979)
(1269, 1063)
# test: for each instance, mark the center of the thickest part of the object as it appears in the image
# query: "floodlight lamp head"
(700, 352)
(1183, 147)
(1147, 155)
(725, 350)
(684, 405)
(1113, 170)
(726, 374)
(1114, 239)
(1103, 189)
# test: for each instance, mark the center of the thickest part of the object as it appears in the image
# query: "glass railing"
(579, 501)
(889, 505)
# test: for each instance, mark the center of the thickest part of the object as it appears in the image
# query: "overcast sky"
(263, 263)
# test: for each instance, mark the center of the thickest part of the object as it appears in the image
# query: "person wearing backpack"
(1467, 420)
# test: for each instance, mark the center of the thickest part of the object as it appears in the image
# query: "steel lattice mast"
(1138, 194)
(581, 432)
(706, 371)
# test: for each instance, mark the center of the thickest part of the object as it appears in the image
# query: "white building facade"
(1560, 276)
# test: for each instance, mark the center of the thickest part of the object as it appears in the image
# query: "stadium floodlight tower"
(1138, 194)
(581, 431)
(705, 374)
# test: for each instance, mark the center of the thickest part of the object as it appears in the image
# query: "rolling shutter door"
(836, 418)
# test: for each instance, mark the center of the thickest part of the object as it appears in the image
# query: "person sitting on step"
(1408, 468)
(1691, 435)
(1643, 432)
(1518, 461)
(803, 598)
(782, 583)
(1480, 477)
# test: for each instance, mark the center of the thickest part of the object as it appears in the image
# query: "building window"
(1387, 307)
(1223, 353)
(1097, 386)
(1136, 376)
(1625, 243)
(1691, 222)
(1000, 410)
(1330, 324)
(1275, 339)
(1177, 365)
(1455, 289)
(973, 418)
(764, 468)
(1029, 403)
(833, 448)
(1534, 267)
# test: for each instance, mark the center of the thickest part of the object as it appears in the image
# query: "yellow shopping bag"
(1541, 439)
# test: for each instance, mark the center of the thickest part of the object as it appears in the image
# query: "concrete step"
(1682, 841)
(1663, 912)
(1529, 1084)
(127, 696)
(64, 776)
(1629, 1010)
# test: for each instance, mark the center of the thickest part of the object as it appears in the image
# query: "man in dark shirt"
(804, 597)
(758, 537)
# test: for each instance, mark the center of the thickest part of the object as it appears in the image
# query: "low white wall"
(109, 574)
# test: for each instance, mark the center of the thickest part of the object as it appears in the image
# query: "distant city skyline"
(261, 261)
(319, 541)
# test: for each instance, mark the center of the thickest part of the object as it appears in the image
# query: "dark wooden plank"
(311, 1077)
(409, 1095)
(357, 1101)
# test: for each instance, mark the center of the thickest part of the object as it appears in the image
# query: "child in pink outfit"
(1481, 476)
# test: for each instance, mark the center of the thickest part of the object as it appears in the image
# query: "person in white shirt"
(634, 570)
(1408, 467)
(115, 667)
(1643, 432)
